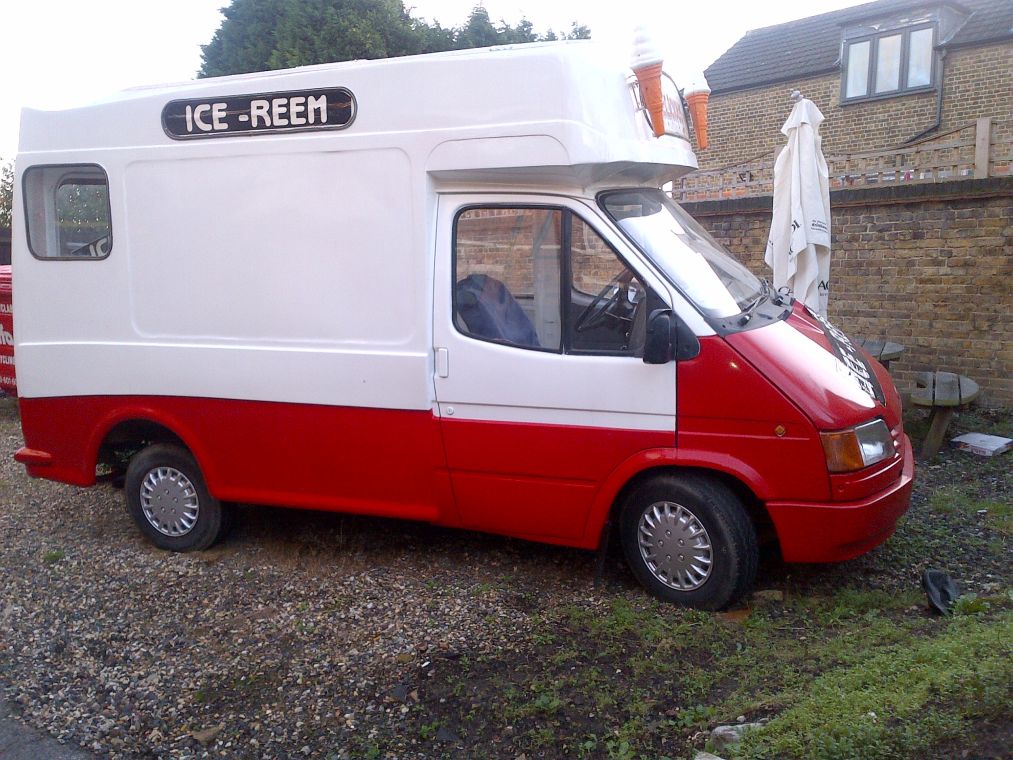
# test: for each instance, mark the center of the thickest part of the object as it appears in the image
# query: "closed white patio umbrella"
(798, 248)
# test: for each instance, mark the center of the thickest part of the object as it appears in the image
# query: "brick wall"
(928, 266)
(746, 124)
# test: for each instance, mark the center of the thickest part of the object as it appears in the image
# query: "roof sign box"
(675, 115)
(672, 111)
(295, 111)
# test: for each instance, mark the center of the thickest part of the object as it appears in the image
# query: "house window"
(888, 63)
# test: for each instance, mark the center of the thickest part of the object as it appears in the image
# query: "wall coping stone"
(991, 187)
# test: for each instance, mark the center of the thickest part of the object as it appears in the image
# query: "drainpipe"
(939, 101)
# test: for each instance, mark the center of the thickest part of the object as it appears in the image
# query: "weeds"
(899, 702)
(958, 499)
(970, 604)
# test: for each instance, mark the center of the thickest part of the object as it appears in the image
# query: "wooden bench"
(943, 392)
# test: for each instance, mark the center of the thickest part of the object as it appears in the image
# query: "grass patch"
(53, 556)
(987, 421)
(901, 702)
(958, 498)
(645, 678)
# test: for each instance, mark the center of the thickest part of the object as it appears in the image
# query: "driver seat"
(490, 311)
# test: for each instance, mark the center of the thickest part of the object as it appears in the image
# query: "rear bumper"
(812, 532)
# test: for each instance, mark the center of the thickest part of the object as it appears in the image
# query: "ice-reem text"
(331, 108)
(296, 111)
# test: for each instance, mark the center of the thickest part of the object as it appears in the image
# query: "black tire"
(679, 505)
(176, 497)
(229, 510)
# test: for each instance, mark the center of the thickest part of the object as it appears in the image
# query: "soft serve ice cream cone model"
(646, 64)
(697, 96)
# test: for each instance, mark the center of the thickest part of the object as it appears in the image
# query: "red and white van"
(444, 288)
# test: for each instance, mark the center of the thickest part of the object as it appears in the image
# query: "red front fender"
(655, 459)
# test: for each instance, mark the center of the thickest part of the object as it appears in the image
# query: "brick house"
(883, 73)
(918, 100)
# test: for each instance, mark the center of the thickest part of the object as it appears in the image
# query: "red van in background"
(8, 382)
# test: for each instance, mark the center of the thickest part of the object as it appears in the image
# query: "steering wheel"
(604, 304)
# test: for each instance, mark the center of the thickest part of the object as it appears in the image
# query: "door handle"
(442, 362)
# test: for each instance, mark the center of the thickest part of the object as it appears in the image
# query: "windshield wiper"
(747, 313)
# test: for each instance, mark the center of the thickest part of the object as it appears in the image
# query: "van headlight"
(857, 447)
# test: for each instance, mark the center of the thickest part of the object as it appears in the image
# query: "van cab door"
(539, 325)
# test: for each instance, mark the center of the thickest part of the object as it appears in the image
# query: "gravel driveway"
(299, 636)
(302, 635)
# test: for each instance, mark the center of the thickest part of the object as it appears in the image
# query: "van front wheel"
(167, 498)
(688, 540)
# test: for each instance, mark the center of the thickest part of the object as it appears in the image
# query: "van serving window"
(67, 212)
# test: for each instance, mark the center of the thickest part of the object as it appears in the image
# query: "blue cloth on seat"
(490, 311)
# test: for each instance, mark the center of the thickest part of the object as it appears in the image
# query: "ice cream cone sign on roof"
(697, 96)
(665, 109)
(646, 64)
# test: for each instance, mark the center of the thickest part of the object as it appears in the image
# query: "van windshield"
(693, 261)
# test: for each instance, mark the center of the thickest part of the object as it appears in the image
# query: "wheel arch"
(127, 431)
(649, 465)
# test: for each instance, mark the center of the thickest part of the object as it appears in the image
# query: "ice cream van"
(446, 288)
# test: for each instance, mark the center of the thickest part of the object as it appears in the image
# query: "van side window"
(542, 278)
(506, 275)
(607, 309)
(67, 212)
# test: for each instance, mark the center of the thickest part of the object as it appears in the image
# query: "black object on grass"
(940, 589)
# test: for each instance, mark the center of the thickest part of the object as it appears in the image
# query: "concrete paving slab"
(20, 742)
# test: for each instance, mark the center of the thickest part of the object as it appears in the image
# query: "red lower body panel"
(371, 461)
(527, 480)
(537, 481)
(551, 483)
(838, 531)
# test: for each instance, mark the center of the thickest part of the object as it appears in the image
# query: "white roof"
(561, 104)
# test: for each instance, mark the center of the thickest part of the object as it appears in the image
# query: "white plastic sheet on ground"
(798, 248)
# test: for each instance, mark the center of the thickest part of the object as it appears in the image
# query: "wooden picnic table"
(942, 392)
(884, 351)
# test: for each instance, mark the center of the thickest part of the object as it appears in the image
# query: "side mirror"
(687, 345)
(659, 346)
(668, 337)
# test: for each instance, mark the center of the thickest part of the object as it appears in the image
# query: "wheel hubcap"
(675, 546)
(169, 501)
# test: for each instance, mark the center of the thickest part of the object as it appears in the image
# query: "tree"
(275, 34)
(578, 32)
(6, 194)
(257, 35)
(478, 31)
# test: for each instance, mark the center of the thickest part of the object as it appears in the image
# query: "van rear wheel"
(168, 499)
(688, 540)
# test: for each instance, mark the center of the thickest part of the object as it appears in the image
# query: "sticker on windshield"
(295, 111)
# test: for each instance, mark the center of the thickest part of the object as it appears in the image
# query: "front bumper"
(812, 532)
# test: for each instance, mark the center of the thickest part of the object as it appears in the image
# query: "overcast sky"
(57, 53)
